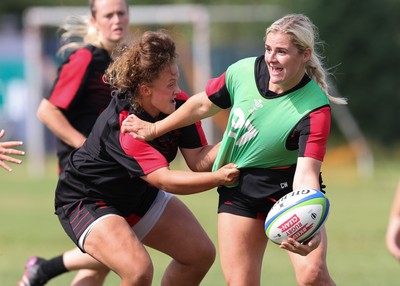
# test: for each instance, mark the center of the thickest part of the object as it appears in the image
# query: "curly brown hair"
(141, 62)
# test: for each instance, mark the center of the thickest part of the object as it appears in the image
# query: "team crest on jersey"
(257, 105)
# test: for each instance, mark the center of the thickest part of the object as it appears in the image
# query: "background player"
(76, 99)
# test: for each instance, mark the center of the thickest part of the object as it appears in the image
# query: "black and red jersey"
(80, 92)
(109, 165)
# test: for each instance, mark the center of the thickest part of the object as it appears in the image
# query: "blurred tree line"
(362, 44)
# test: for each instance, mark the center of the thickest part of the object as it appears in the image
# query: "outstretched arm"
(194, 109)
(200, 159)
(187, 182)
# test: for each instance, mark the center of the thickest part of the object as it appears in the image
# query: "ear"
(307, 55)
(144, 89)
(92, 21)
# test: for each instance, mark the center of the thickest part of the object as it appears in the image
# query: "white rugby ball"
(299, 215)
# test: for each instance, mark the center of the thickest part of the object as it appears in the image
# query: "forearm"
(201, 159)
(68, 134)
(194, 109)
(59, 125)
(184, 182)
(307, 174)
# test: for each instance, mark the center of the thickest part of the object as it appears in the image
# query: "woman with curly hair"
(115, 194)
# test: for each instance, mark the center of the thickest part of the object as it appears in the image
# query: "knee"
(314, 275)
(207, 254)
(141, 274)
(200, 257)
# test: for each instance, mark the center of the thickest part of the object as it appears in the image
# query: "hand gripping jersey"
(258, 127)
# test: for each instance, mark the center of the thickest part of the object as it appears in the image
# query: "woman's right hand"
(138, 128)
(229, 174)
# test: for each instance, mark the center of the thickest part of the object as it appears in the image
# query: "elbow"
(42, 111)
(164, 182)
(39, 113)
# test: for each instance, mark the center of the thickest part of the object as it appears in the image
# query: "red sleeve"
(215, 84)
(145, 155)
(314, 136)
(218, 93)
(70, 78)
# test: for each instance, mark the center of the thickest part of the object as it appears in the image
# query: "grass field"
(356, 226)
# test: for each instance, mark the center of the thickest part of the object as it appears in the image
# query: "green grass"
(356, 227)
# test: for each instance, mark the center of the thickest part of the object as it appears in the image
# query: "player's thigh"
(241, 239)
(112, 242)
(183, 238)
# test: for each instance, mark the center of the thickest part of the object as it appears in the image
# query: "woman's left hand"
(302, 248)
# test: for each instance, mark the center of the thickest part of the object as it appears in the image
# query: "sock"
(54, 267)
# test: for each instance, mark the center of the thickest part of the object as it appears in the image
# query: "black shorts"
(76, 217)
(257, 191)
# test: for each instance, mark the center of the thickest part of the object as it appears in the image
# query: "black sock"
(53, 267)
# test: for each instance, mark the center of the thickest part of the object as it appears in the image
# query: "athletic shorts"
(257, 192)
(232, 201)
(87, 214)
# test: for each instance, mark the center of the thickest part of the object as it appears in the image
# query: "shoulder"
(241, 68)
(90, 53)
(322, 113)
(81, 56)
(181, 98)
(98, 52)
(243, 62)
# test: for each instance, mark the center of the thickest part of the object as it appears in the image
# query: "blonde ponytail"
(77, 33)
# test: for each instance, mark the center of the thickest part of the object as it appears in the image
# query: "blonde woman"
(79, 94)
(276, 134)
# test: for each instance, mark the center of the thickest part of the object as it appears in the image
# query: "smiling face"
(111, 20)
(159, 96)
(285, 62)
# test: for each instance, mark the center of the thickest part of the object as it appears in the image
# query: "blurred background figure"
(79, 94)
(69, 111)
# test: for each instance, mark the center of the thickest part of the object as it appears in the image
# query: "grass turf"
(356, 227)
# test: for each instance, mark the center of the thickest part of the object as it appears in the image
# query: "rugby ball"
(299, 215)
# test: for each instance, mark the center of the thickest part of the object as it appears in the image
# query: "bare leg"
(185, 241)
(312, 269)
(241, 248)
(89, 277)
(113, 242)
